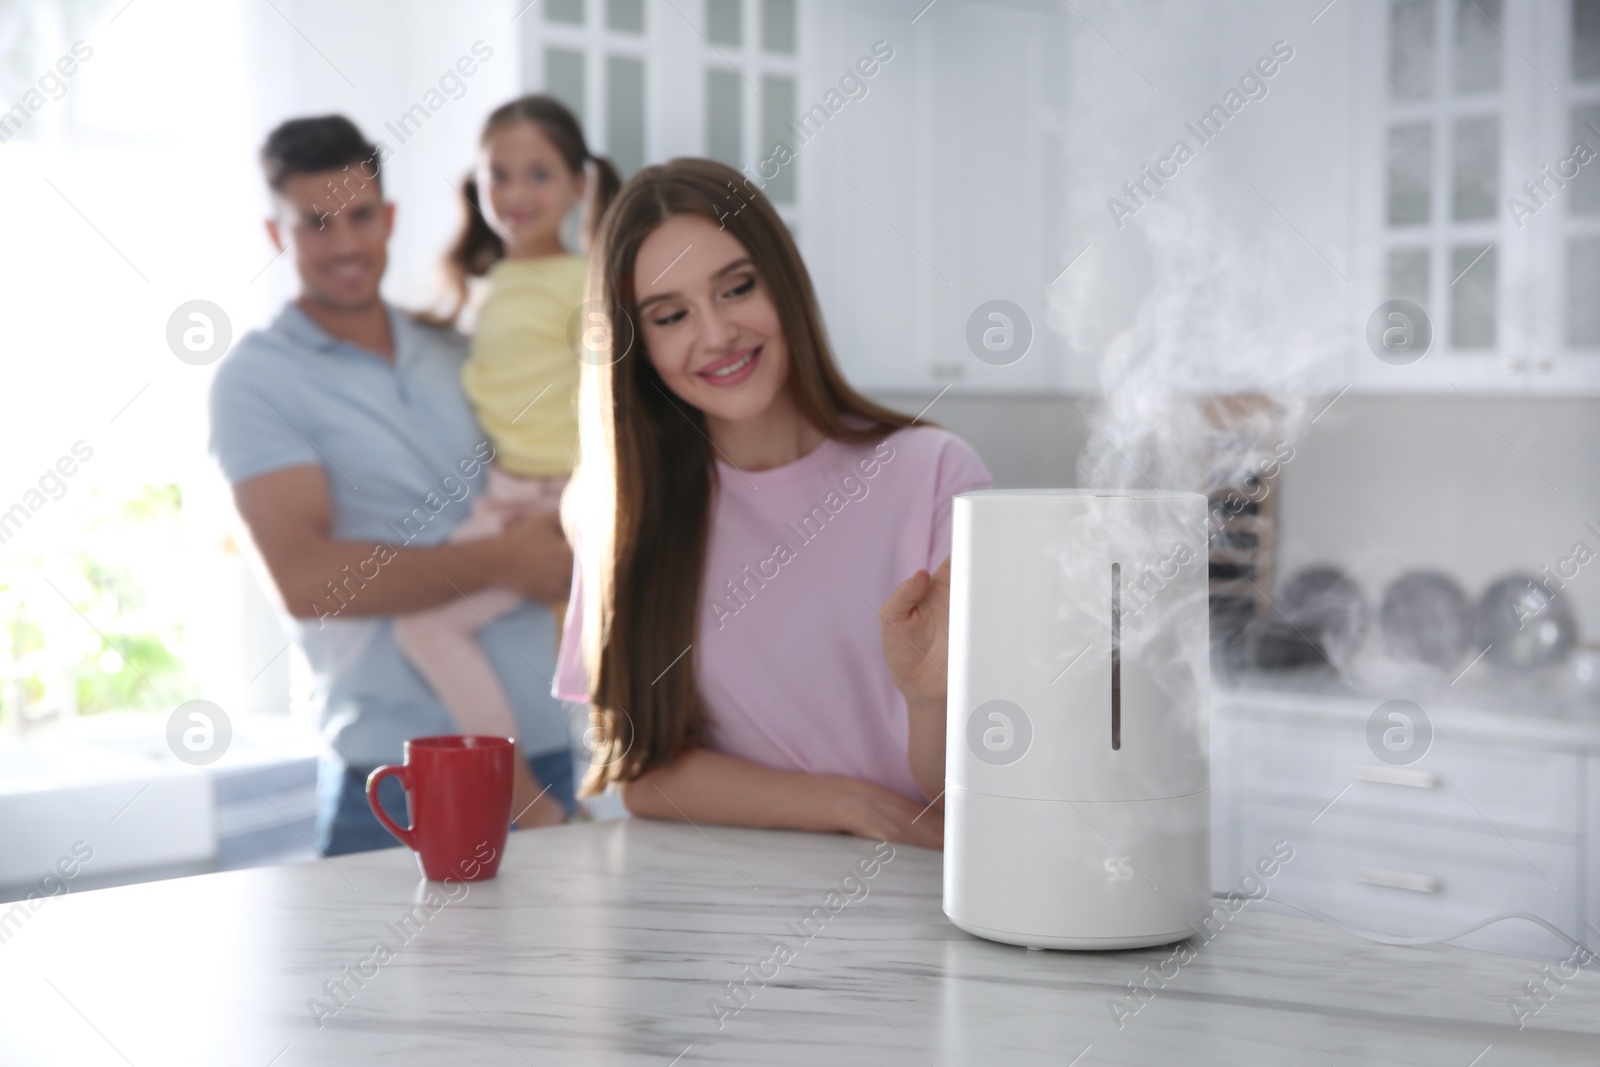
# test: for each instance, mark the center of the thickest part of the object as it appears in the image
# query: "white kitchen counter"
(605, 943)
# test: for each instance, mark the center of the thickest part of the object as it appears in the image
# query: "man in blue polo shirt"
(353, 453)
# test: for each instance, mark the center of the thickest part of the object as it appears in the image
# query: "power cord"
(1392, 939)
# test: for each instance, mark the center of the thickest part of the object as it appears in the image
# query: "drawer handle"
(1415, 883)
(1384, 775)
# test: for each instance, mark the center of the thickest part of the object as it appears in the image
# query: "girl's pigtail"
(475, 250)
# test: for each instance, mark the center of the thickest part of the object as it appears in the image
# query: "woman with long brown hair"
(739, 514)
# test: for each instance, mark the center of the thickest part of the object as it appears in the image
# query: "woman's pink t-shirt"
(788, 657)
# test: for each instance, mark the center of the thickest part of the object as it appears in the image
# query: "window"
(123, 591)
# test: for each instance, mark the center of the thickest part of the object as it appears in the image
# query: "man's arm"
(705, 786)
(290, 516)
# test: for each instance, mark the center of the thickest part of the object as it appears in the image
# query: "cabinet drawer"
(1480, 786)
(1376, 874)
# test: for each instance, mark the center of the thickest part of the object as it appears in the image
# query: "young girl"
(739, 514)
(522, 380)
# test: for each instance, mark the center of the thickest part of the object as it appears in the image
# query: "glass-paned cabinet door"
(1557, 202)
(654, 79)
(625, 133)
(750, 58)
(595, 57)
(724, 117)
(1443, 99)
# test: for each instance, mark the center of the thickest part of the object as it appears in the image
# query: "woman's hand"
(914, 624)
(868, 810)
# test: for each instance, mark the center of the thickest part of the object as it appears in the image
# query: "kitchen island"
(640, 942)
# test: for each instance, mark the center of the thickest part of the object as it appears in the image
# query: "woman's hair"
(477, 247)
(642, 510)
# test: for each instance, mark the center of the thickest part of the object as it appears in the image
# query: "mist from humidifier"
(1205, 288)
(1213, 318)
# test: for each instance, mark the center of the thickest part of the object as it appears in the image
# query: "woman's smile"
(733, 369)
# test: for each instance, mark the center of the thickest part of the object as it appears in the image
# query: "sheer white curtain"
(127, 148)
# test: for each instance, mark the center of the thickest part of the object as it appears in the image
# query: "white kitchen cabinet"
(1590, 870)
(930, 189)
(1564, 350)
(1454, 118)
(1500, 815)
(937, 192)
(977, 163)
(1379, 872)
(1467, 784)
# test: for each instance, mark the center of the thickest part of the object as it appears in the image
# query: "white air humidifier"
(1077, 768)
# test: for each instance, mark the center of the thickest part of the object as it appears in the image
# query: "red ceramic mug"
(458, 791)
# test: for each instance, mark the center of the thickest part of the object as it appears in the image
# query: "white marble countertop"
(607, 943)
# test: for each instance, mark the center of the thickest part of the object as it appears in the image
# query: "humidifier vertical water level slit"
(1116, 656)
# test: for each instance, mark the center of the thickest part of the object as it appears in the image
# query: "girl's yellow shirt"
(522, 377)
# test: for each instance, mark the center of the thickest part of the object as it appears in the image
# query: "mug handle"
(404, 835)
